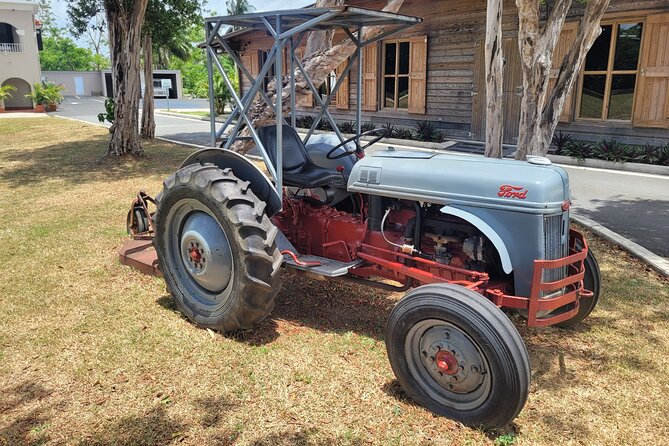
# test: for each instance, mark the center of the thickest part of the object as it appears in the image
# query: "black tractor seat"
(298, 168)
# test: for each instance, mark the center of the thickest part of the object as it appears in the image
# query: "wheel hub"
(446, 362)
(206, 252)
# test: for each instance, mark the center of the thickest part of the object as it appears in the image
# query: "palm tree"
(236, 7)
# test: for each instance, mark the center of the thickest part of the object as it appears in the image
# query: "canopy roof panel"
(337, 16)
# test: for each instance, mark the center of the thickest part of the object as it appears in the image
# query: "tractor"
(469, 239)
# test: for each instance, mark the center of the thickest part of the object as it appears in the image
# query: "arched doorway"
(18, 99)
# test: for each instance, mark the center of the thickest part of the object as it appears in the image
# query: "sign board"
(166, 83)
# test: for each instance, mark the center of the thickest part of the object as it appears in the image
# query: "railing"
(11, 47)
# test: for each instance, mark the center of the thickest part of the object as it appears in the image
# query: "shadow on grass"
(83, 161)
(304, 437)
(156, 427)
(30, 427)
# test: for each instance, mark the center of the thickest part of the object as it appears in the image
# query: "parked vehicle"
(467, 238)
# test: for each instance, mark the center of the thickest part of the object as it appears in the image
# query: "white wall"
(92, 81)
(23, 65)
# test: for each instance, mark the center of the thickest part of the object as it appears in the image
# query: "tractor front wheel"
(216, 248)
(457, 354)
(591, 282)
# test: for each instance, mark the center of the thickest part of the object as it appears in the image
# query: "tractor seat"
(298, 168)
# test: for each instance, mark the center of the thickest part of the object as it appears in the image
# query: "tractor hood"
(534, 186)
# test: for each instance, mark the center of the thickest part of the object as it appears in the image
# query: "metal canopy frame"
(288, 28)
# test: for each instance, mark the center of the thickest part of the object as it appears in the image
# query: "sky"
(60, 6)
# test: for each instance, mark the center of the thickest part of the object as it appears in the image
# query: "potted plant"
(39, 98)
(54, 95)
(5, 92)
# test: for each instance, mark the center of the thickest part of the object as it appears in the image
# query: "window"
(327, 86)
(269, 77)
(396, 58)
(610, 72)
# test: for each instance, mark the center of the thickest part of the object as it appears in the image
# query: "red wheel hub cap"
(195, 255)
(446, 362)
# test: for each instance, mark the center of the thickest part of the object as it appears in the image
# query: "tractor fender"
(243, 169)
(489, 232)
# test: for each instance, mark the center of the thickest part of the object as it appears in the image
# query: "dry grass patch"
(94, 353)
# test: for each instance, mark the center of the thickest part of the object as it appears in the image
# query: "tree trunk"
(318, 66)
(494, 66)
(539, 114)
(125, 26)
(148, 105)
(321, 40)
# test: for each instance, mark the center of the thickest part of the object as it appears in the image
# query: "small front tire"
(457, 354)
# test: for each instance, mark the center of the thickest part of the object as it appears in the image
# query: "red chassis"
(330, 233)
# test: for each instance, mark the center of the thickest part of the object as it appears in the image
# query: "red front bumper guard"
(572, 286)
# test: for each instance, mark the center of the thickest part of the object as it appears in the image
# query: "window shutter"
(306, 100)
(564, 44)
(247, 60)
(417, 75)
(369, 75)
(343, 93)
(651, 107)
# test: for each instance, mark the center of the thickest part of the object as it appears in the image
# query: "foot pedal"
(320, 265)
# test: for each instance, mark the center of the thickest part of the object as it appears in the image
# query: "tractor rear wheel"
(216, 248)
(457, 354)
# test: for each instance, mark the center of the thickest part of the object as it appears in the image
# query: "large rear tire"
(457, 354)
(216, 248)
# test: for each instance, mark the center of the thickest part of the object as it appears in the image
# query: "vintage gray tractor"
(470, 239)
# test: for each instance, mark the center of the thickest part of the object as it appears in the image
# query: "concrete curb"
(659, 264)
(610, 165)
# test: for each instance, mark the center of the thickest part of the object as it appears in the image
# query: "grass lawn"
(92, 352)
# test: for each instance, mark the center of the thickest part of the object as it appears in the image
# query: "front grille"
(556, 244)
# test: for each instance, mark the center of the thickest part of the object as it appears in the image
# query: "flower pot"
(51, 107)
(38, 108)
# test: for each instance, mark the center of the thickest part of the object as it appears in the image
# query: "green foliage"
(39, 95)
(347, 127)
(63, 54)
(194, 67)
(647, 154)
(390, 130)
(6, 91)
(53, 93)
(579, 149)
(168, 22)
(505, 440)
(304, 122)
(108, 115)
(324, 125)
(367, 126)
(222, 95)
(612, 150)
(425, 131)
(402, 133)
(560, 141)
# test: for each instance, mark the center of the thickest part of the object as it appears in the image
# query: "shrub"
(560, 141)
(612, 150)
(347, 127)
(579, 149)
(367, 126)
(324, 125)
(390, 130)
(108, 115)
(304, 122)
(53, 93)
(663, 156)
(39, 95)
(647, 154)
(403, 133)
(425, 131)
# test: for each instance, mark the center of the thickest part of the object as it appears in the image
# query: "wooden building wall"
(455, 92)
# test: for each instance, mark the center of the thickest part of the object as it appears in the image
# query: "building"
(434, 71)
(19, 52)
(99, 83)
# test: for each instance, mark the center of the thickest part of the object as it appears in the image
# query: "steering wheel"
(358, 148)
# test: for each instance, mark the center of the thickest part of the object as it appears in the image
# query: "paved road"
(187, 130)
(634, 205)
